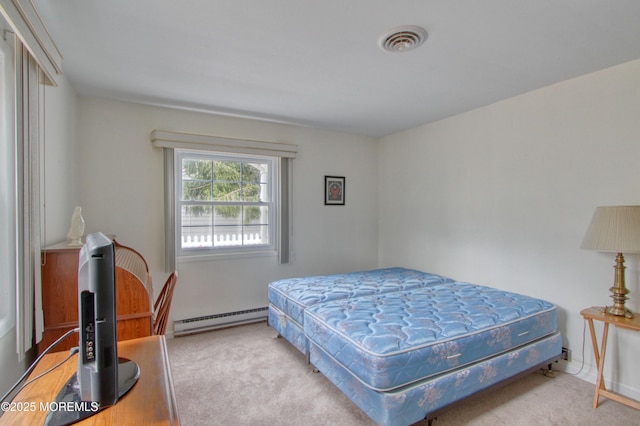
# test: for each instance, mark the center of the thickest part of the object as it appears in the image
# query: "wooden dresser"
(60, 295)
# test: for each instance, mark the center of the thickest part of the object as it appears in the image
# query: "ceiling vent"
(402, 39)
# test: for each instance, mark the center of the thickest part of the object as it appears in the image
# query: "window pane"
(196, 179)
(256, 234)
(237, 225)
(251, 192)
(228, 226)
(226, 176)
(256, 225)
(196, 168)
(252, 172)
(256, 215)
(197, 226)
(227, 191)
(254, 176)
(226, 171)
(228, 236)
(195, 190)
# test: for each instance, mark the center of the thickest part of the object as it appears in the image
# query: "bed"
(403, 355)
(288, 298)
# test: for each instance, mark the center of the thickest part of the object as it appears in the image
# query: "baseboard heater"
(211, 322)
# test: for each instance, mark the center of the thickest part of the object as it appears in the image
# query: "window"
(250, 197)
(225, 203)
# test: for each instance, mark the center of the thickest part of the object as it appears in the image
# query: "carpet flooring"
(247, 376)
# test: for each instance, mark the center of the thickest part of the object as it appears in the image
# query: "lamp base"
(617, 311)
(619, 291)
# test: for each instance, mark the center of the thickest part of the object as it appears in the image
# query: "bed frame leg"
(549, 371)
(314, 368)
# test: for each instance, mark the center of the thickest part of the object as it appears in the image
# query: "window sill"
(225, 256)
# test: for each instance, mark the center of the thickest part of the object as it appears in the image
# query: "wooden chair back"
(163, 304)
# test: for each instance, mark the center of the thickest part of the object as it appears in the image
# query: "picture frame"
(334, 190)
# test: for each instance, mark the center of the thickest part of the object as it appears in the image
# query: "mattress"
(391, 340)
(288, 298)
(292, 296)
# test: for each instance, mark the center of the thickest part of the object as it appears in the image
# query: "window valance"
(25, 21)
(164, 139)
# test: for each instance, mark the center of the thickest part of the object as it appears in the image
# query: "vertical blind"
(38, 62)
(28, 307)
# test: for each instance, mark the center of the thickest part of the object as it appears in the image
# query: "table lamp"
(615, 229)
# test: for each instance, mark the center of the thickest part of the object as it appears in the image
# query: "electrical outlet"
(566, 354)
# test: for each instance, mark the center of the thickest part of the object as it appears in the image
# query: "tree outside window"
(225, 201)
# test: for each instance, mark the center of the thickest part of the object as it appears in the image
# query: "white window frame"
(241, 249)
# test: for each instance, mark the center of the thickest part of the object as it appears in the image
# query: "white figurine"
(76, 231)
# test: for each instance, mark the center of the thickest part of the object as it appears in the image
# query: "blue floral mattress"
(288, 298)
(292, 296)
(391, 340)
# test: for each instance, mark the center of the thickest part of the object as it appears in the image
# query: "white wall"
(121, 191)
(62, 164)
(502, 196)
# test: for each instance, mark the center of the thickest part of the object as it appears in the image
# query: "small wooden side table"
(597, 314)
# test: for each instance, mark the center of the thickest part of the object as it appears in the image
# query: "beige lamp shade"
(614, 229)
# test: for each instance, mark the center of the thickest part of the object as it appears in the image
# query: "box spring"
(415, 402)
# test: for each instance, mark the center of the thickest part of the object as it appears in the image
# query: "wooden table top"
(597, 313)
(150, 402)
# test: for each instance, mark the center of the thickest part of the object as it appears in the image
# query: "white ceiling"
(317, 63)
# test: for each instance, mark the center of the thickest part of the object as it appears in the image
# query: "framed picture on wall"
(334, 190)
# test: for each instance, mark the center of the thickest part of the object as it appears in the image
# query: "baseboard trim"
(589, 373)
